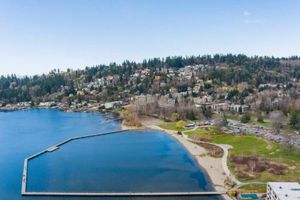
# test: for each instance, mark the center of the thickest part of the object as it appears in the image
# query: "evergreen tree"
(295, 119)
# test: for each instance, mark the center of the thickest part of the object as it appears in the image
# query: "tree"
(246, 118)
(277, 118)
(175, 117)
(180, 124)
(295, 119)
(221, 122)
(207, 112)
(190, 114)
(260, 118)
(131, 119)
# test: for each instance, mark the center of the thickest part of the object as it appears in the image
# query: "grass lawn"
(290, 129)
(252, 145)
(205, 133)
(234, 117)
(252, 121)
(266, 124)
(256, 187)
(170, 126)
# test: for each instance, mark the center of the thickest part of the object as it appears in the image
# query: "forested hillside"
(218, 69)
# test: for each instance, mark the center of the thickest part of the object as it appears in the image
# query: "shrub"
(246, 118)
(131, 118)
(175, 117)
(180, 124)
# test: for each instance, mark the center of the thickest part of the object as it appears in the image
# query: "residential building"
(218, 107)
(113, 105)
(283, 191)
(238, 108)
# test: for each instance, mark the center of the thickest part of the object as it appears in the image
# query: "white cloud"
(246, 13)
(254, 21)
(250, 19)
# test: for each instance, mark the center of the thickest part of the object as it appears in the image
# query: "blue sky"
(37, 36)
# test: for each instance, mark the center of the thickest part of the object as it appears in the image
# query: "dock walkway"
(122, 194)
(100, 194)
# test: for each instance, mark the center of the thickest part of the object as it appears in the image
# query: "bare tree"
(277, 118)
(297, 104)
(252, 164)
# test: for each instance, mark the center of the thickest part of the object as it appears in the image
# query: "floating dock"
(100, 194)
(53, 148)
(122, 194)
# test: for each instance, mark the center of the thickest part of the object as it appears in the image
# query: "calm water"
(131, 161)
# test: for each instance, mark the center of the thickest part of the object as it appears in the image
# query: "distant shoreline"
(2, 109)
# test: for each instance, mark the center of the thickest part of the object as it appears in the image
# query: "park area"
(252, 159)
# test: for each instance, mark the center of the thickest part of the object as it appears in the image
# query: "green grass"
(290, 129)
(234, 117)
(245, 145)
(252, 121)
(205, 133)
(266, 124)
(170, 126)
(252, 145)
(257, 187)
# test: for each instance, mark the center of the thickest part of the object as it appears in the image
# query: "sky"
(37, 36)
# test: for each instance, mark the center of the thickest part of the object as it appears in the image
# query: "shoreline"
(213, 167)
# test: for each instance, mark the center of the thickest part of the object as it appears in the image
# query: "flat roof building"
(283, 191)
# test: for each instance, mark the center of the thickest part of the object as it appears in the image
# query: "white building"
(218, 107)
(283, 191)
(112, 105)
(238, 108)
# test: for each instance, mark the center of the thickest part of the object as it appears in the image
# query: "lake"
(133, 161)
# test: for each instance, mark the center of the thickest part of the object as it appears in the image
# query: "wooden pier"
(96, 194)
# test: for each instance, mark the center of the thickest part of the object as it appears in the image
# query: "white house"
(112, 105)
(238, 108)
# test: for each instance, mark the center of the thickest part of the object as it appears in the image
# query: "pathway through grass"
(251, 145)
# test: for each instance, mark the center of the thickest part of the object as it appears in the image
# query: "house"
(47, 104)
(203, 100)
(238, 108)
(165, 102)
(143, 100)
(113, 105)
(218, 107)
(283, 191)
(173, 90)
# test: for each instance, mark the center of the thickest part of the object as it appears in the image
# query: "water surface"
(108, 163)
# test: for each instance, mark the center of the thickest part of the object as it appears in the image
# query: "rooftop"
(286, 190)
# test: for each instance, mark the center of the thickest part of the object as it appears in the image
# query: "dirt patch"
(248, 167)
(292, 167)
(269, 147)
(198, 138)
(213, 150)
